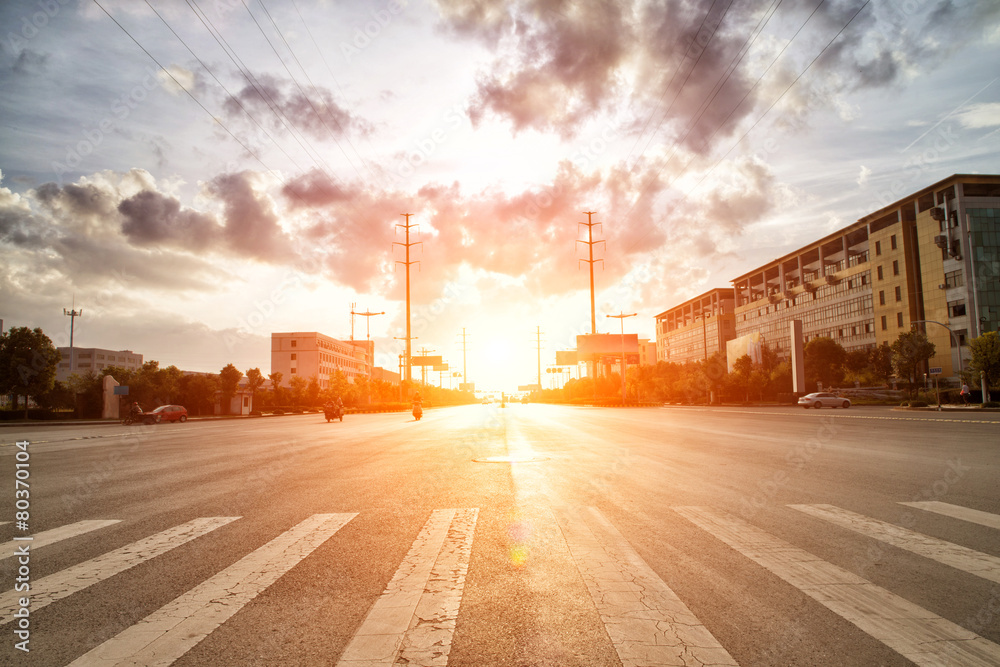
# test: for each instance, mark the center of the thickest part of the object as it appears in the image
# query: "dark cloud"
(151, 218)
(252, 228)
(275, 104)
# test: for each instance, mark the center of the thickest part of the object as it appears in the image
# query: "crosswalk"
(414, 619)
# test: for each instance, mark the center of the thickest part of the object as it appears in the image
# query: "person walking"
(964, 393)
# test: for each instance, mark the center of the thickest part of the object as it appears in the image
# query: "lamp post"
(621, 318)
(961, 367)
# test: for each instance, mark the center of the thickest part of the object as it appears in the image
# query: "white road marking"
(919, 635)
(171, 631)
(47, 537)
(958, 512)
(953, 555)
(56, 586)
(414, 619)
(646, 621)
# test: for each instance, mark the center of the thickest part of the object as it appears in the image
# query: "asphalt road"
(524, 536)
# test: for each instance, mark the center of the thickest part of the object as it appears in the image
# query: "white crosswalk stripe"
(917, 634)
(171, 631)
(648, 624)
(48, 537)
(954, 555)
(66, 582)
(958, 512)
(412, 622)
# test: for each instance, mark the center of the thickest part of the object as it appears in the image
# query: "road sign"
(936, 370)
(425, 361)
(121, 390)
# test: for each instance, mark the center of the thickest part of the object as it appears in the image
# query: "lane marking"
(413, 621)
(646, 621)
(48, 537)
(958, 512)
(953, 555)
(66, 582)
(917, 634)
(174, 629)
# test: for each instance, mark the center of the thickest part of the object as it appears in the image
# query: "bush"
(918, 404)
(991, 404)
(277, 411)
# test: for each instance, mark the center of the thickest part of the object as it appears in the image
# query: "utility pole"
(590, 242)
(407, 263)
(73, 313)
(402, 358)
(465, 368)
(621, 318)
(369, 350)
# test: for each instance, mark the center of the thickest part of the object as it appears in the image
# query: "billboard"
(425, 361)
(440, 367)
(467, 386)
(529, 387)
(566, 358)
(592, 346)
(750, 344)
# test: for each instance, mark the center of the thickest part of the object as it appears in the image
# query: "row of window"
(878, 245)
(895, 269)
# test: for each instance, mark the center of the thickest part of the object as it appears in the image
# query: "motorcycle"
(333, 412)
(418, 411)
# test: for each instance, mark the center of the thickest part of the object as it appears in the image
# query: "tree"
(229, 380)
(312, 391)
(275, 379)
(298, 384)
(824, 361)
(986, 358)
(198, 392)
(909, 351)
(741, 376)
(255, 380)
(880, 361)
(28, 362)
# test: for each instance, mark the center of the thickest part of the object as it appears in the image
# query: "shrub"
(918, 404)
(278, 411)
(991, 404)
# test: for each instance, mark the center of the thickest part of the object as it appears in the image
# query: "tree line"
(28, 363)
(827, 364)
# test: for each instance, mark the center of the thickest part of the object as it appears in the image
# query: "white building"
(94, 359)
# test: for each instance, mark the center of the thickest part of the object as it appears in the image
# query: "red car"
(166, 413)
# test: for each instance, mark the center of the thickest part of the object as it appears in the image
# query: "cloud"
(151, 218)
(980, 115)
(277, 104)
(863, 175)
(251, 227)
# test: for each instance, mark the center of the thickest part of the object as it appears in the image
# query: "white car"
(821, 399)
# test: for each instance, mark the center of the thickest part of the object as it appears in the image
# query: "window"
(879, 272)
(899, 319)
(954, 279)
(892, 241)
(293, 356)
(895, 267)
(878, 248)
(293, 371)
(899, 293)
(881, 297)
(884, 325)
(956, 308)
(294, 343)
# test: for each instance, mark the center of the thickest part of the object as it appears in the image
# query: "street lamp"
(961, 367)
(621, 318)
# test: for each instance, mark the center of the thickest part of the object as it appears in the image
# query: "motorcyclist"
(135, 410)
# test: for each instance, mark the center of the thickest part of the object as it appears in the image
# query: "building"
(93, 359)
(647, 352)
(312, 353)
(379, 373)
(697, 328)
(931, 260)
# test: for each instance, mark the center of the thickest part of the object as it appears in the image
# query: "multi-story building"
(87, 359)
(931, 260)
(647, 352)
(697, 328)
(312, 353)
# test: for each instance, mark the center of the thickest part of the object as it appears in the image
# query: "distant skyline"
(249, 179)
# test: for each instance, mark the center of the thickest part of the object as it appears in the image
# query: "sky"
(194, 175)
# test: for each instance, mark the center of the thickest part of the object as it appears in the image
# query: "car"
(821, 399)
(166, 413)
